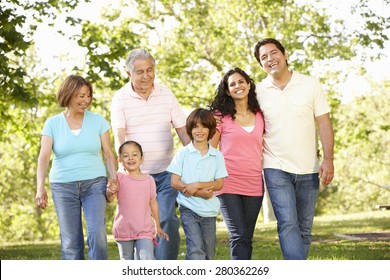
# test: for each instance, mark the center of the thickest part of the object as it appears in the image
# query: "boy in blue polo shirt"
(197, 171)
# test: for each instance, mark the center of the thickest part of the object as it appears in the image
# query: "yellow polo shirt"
(290, 139)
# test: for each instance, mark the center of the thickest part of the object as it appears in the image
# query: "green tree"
(21, 219)
(195, 41)
(362, 158)
(18, 21)
(26, 96)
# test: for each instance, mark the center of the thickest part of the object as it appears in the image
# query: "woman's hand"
(41, 199)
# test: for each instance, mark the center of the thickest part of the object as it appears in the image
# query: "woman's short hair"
(71, 86)
(203, 116)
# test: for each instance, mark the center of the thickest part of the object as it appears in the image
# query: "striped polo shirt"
(149, 122)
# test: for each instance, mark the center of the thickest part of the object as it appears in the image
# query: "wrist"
(109, 193)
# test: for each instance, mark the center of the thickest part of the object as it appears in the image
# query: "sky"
(58, 53)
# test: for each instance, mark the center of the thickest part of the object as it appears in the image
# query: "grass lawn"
(326, 244)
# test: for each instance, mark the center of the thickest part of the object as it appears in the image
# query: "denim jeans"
(141, 249)
(166, 198)
(200, 234)
(70, 200)
(293, 199)
(240, 213)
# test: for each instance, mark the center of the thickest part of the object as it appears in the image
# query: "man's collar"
(267, 82)
(133, 93)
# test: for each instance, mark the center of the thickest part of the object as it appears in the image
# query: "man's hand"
(326, 172)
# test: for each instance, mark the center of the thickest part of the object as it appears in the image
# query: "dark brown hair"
(224, 104)
(71, 86)
(268, 41)
(203, 116)
(129, 142)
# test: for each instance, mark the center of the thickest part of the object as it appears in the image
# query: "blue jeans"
(200, 234)
(70, 199)
(240, 213)
(143, 249)
(293, 199)
(166, 199)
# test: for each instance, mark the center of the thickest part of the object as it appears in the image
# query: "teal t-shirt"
(76, 157)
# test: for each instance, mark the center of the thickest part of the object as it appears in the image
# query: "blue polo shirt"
(191, 166)
(76, 157)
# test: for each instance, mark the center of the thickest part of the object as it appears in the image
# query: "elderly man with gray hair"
(145, 111)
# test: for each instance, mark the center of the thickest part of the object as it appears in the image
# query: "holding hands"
(112, 187)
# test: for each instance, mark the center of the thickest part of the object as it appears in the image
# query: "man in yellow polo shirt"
(293, 105)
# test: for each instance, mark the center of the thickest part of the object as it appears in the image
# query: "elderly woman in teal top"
(78, 176)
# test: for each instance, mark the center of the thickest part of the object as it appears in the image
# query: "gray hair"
(137, 54)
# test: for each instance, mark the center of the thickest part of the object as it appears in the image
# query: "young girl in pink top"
(240, 138)
(134, 229)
